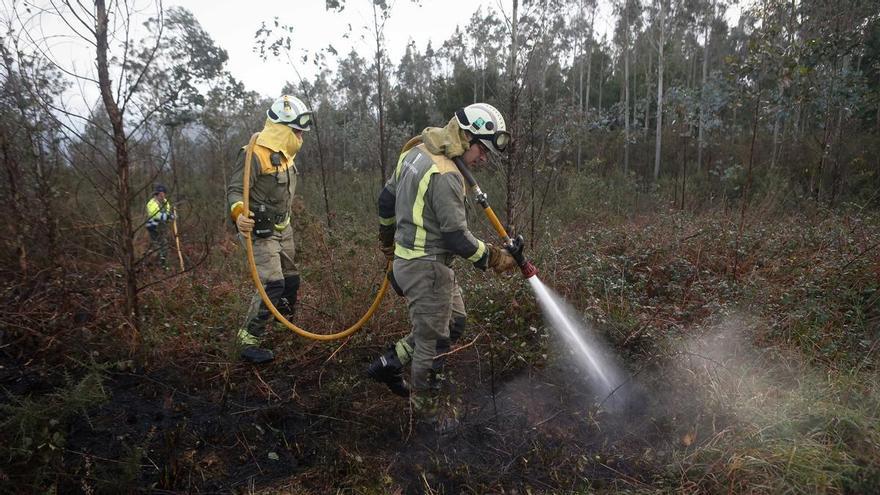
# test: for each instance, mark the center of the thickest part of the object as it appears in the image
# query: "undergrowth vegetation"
(750, 342)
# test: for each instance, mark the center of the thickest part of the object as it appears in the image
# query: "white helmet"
(291, 111)
(486, 124)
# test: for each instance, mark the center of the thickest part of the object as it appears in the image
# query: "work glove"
(388, 251)
(245, 224)
(500, 260)
(386, 242)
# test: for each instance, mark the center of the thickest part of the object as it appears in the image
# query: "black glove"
(516, 246)
(386, 241)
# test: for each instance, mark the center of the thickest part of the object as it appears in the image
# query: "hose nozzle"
(528, 269)
(515, 247)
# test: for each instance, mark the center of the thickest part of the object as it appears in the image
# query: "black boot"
(257, 355)
(388, 369)
(251, 351)
(287, 302)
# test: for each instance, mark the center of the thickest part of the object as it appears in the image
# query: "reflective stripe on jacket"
(157, 213)
(425, 197)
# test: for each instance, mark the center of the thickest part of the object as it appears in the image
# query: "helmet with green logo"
(292, 112)
(486, 124)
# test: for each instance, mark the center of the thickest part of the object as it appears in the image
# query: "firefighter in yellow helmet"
(423, 227)
(272, 185)
(159, 214)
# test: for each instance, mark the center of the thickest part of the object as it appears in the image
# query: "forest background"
(705, 195)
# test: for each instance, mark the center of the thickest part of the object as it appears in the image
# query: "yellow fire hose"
(527, 268)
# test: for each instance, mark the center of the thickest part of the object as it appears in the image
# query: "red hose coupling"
(528, 269)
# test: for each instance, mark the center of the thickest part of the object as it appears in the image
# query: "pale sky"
(232, 25)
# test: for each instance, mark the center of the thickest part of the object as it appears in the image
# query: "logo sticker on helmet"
(478, 124)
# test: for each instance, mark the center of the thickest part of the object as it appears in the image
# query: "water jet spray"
(561, 318)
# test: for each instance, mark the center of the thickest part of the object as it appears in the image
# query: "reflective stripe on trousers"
(433, 297)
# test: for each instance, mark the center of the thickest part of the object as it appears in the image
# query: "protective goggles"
(499, 140)
(302, 121)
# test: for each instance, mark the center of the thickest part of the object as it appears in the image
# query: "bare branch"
(133, 87)
(89, 26)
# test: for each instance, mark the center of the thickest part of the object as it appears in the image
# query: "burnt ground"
(309, 424)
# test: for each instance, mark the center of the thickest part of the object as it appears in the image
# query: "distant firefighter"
(159, 215)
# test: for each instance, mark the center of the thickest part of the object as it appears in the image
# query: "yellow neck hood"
(280, 138)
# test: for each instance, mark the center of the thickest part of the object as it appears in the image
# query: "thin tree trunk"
(512, 71)
(646, 125)
(125, 247)
(580, 97)
(747, 190)
(836, 168)
(684, 168)
(777, 121)
(659, 137)
(321, 159)
(589, 60)
(701, 140)
(380, 95)
(17, 225)
(578, 134)
(626, 93)
(816, 179)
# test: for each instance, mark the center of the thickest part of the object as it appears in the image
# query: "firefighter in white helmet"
(272, 185)
(422, 228)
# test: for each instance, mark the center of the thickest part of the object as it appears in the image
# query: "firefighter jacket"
(158, 212)
(272, 178)
(424, 200)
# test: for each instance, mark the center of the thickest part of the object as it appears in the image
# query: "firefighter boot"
(388, 369)
(251, 351)
(287, 303)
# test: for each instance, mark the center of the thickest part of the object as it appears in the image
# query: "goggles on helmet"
(498, 141)
(494, 140)
(302, 122)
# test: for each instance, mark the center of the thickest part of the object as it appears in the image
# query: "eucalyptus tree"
(186, 55)
(835, 36)
(30, 153)
(380, 12)
(234, 114)
(529, 33)
(411, 106)
(661, 42)
(628, 24)
(708, 14)
(581, 27)
(354, 89)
